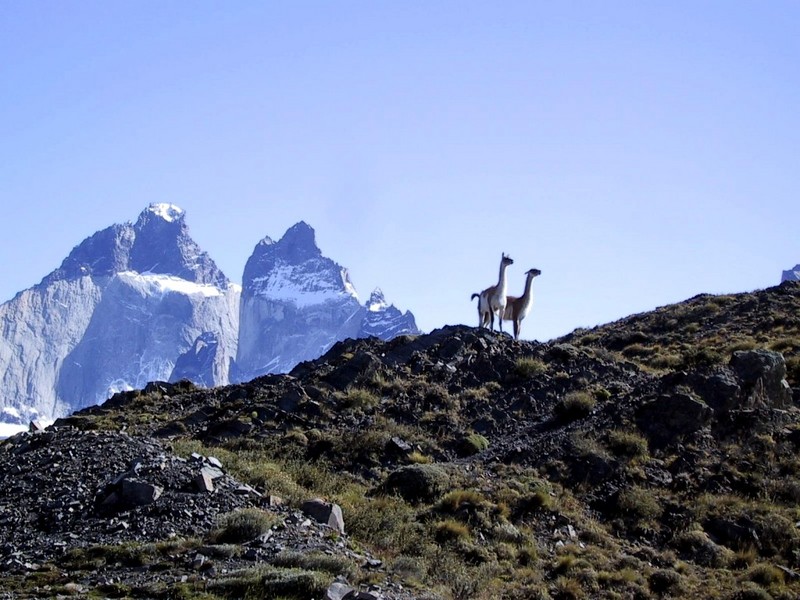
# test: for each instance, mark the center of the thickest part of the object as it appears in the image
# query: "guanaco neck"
(524, 301)
(501, 284)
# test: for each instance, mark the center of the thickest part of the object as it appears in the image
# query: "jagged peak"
(163, 210)
(377, 301)
(299, 244)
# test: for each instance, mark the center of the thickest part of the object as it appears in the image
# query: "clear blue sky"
(638, 153)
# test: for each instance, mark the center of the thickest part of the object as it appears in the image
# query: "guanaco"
(493, 299)
(517, 308)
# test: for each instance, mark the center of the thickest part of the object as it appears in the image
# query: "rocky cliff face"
(116, 314)
(297, 303)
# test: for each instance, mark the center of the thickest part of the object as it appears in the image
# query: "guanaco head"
(507, 260)
(533, 273)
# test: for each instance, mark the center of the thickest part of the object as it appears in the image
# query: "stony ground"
(67, 494)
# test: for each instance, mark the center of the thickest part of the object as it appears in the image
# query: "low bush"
(242, 526)
(527, 367)
(417, 483)
(575, 405)
(639, 504)
(627, 444)
(473, 443)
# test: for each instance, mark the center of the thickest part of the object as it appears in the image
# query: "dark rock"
(292, 399)
(230, 428)
(718, 388)
(203, 482)
(673, 416)
(362, 365)
(736, 535)
(398, 447)
(338, 591)
(139, 493)
(324, 512)
(211, 472)
(762, 373)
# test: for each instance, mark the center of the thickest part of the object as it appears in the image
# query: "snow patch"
(9, 429)
(377, 302)
(154, 284)
(284, 284)
(11, 411)
(168, 212)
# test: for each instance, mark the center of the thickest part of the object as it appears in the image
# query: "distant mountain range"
(141, 301)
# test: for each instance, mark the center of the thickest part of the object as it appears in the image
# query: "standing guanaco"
(493, 299)
(517, 308)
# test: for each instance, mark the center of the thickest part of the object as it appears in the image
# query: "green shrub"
(665, 581)
(700, 549)
(627, 443)
(359, 398)
(533, 501)
(700, 357)
(602, 394)
(575, 405)
(386, 523)
(418, 458)
(315, 561)
(793, 369)
(567, 588)
(639, 503)
(454, 501)
(417, 483)
(271, 582)
(750, 591)
(242, 526)
(474, 443)
(450, 530)
(527, 367)
(765, 574)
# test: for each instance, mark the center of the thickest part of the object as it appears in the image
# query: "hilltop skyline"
(637, 155)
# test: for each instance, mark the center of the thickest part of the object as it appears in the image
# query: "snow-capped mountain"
(297, 303)
(117, 313)
(791, 274)
(142, 301)
(383, 320)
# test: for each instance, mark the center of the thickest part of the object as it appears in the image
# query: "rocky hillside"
(655, 457)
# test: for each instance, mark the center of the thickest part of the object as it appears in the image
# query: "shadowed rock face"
(297, 303)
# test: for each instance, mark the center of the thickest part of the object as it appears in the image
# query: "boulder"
(324, 512)
(203, 482)
(673, 416)
(338, 591)
(138, 493)
(762, 374)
